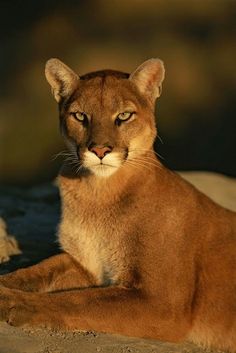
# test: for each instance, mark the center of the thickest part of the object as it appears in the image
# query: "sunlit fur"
(109, 164)
(129, 141)
(155, 257)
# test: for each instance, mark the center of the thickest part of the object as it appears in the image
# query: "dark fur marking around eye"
(119, 121)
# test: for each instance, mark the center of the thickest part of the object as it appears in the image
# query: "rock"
(8, 244)
(32, 216)
(218, 187)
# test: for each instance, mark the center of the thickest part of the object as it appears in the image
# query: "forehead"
(108, 92)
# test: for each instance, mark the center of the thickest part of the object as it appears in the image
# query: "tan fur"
(154, 256)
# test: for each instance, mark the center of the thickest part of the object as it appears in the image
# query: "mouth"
(102, 169)
(105, 166)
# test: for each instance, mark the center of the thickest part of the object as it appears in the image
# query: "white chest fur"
(95, 249)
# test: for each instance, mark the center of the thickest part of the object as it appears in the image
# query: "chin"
(103, 170)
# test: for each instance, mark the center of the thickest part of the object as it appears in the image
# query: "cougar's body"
(144, 253)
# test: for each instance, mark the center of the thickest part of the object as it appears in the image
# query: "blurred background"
(195, 38)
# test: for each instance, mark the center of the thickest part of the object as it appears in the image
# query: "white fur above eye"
(105, 167)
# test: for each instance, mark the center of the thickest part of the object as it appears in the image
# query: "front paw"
(14, 308)
(22, 315)
(19, 308)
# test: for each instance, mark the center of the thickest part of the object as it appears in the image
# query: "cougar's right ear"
(61, 78)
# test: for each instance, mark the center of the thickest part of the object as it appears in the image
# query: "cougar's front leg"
(108, 309)
(59, 272)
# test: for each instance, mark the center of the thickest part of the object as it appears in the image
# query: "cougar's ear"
(61, 78)
(148, 77)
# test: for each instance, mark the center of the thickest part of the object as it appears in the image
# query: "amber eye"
(80, 116)
(123, 117)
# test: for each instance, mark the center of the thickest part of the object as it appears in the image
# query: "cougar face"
(106, 121)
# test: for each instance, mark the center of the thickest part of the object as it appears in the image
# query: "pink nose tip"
(101, 151)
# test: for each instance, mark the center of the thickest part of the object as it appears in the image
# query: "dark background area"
(196, 39)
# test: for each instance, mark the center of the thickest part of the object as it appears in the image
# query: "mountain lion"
(144, 253)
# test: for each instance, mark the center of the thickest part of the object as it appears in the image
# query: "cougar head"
(106, 117)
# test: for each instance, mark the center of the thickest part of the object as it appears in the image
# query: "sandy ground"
(41, 341)
(32, 216)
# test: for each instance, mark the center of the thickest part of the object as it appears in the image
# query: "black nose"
(99, 150)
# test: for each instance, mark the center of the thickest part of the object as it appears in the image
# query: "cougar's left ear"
(148, 77)
(61, 78)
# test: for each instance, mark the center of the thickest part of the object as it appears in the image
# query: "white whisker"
(147, 151)
(160, 139)
(139, 163)
(70, 158)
